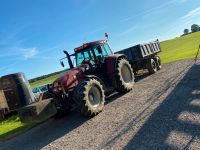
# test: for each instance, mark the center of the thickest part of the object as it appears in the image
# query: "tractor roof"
(90, 44)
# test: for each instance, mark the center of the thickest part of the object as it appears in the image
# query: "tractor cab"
(93, 53)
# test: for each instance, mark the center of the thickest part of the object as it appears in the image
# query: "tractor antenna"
(106, 35)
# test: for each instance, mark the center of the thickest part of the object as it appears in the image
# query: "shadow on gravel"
(141, 76)
(112, 97)
(173, 125)
(44, 134)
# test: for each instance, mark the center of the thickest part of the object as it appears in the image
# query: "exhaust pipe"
(69, 60)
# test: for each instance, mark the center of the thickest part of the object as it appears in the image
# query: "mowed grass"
(12, 127)
(180, 48)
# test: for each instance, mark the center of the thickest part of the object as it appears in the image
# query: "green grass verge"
(12, 127)
(180, 48)
(45, 81)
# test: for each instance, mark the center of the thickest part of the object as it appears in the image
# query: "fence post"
(197, 54)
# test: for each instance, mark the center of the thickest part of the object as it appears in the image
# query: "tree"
(186, 31)
(194, 28)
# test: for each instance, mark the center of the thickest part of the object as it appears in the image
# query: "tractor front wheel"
(90, 97)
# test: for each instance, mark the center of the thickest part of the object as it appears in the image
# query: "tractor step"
(38, 112)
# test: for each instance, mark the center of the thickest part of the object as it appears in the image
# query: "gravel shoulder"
(162, 112)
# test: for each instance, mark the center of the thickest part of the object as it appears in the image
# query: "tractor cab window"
(97, 50)
(84, 56)
(100, 53)
(103, 50)
(107, 49)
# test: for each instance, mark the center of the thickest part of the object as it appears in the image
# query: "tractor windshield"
(92, 53)
(84, 56)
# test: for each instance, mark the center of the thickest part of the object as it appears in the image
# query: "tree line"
(194, 28)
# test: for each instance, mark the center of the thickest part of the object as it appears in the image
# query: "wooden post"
(197, 54)
(3, 104)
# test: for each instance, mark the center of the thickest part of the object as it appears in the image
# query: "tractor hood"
(69, 79)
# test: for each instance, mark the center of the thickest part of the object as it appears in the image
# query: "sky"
(34, 33)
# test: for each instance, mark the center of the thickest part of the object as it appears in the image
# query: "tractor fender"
(84, 77)
(111, 65)
(111, 62)
(94, 77)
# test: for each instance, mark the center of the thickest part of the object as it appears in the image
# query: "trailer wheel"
(152, 66)
(124, 76)
(158, 62)
(90, 97)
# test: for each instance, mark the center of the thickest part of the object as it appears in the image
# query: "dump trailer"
(143, 56)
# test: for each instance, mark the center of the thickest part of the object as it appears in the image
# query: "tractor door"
(101, 52)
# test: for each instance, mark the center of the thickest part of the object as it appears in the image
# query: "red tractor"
(98, 71)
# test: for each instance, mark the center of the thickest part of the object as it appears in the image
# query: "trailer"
(143, 56)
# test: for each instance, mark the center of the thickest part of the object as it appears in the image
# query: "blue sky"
(34, 33)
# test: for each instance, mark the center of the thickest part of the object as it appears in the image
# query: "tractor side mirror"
(62, 64)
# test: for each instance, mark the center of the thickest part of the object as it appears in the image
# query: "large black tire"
(151, 66)
(124, 76)
(158, 62)
(90, 97)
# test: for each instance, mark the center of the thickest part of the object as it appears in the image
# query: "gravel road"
(162, 112)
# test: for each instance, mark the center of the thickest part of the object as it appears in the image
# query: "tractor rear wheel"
(158, 62)
(152, 66)
(124, 77)
(90, 97)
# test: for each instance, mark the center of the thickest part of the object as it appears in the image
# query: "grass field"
(180, 48)
(172, 50)
(45, 81)
(11, 127)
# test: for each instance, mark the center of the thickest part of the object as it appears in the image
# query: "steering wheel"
(89, 62)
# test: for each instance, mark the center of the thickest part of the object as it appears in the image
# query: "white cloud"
(152, 10)
(180, 1)
(128, 30)
(18, 53)
(7, 66)
(192, 13)
(28, 53)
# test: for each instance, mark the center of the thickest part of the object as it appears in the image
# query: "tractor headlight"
(57, 87)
